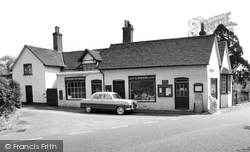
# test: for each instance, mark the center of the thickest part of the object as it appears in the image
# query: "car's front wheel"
(88, 109)
(120, 110)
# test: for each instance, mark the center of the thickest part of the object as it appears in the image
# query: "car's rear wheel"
(120, 110)
(88, 109)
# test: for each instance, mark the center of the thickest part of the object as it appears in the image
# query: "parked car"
(108, 101)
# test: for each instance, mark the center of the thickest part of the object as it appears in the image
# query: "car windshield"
(116, 96)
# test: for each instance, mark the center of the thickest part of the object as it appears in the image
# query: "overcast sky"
(95, 24)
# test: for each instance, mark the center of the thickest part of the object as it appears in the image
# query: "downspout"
(103, 77)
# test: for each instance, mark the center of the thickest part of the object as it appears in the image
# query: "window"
(226, 83)
(27, 69)
(142, 88)
(96, 86)
(88, 67)
(97, 96)
(75, 88)
(107, 96)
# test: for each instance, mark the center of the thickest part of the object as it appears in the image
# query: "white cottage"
(35, 69)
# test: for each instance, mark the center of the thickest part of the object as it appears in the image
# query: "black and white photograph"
(124, 76)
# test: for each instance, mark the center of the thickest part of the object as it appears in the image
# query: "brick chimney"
(127, 32)
(57, 40)
(202, 32)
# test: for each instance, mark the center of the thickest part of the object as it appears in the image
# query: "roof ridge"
(39, 47)
(180, 38)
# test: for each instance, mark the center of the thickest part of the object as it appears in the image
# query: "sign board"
(210, 24)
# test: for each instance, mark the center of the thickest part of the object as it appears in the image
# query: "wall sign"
(142, 77)
(74, 78)
(198, 87)
(210, 24)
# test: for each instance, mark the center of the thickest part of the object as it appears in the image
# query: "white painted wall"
(196, 74)
(89, 76)
(226, 99)
(50, 76)
(37, 80)
(213, 70)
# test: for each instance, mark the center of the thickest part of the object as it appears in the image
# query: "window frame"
(226, 85)
(27, 69)
(75, 80)
(151, 78)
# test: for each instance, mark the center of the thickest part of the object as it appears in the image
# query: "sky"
(95, 24)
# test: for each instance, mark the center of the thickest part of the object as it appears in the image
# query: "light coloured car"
(108, 101)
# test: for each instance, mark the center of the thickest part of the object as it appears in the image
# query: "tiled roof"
(46, 56)
(159, 53)
(222, 46)
(71, 59)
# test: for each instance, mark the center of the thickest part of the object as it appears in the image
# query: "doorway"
(181, 93)
(119, 87)
(29, 94)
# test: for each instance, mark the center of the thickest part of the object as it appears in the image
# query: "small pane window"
(27, 68)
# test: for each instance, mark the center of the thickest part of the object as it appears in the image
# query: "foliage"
(240, 66)
(9, 101)
(6, 63)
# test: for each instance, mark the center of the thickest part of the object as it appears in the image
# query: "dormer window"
(90, 60)
(27, 69)
(88, 67)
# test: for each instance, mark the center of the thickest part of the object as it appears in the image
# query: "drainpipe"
(103, 77)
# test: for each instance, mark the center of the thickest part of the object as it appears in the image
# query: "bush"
(9, 102)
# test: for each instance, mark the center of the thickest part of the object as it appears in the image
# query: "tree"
(240, 66)
(6, 63)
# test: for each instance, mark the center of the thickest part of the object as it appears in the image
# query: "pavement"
(136, 112)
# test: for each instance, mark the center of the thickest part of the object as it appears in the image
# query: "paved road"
(229, 131)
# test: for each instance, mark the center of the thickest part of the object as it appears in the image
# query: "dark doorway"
(119, 87)
(52, 99)
(214, 87)
(181, 93)
(29, 94)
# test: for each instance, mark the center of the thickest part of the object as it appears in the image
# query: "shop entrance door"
(181, 93)
(119, 87)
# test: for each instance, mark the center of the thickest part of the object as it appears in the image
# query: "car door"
(108, 102)
(96, 101)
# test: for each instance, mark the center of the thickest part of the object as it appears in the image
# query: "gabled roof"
(159, 53)
(222, 46)
(46, 56)
(71, 59)
(94, 53)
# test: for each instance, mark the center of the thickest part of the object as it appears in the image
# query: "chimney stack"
(127, 32)
(202, 32)
(57, 40)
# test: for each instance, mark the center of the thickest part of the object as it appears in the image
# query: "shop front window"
(142, 88)
(75, 88)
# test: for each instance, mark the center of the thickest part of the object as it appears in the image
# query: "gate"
(52, 99)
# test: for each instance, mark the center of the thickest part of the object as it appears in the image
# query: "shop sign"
(74, 78)
(210, 24)
(142, 77)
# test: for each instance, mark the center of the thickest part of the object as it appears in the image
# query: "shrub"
(9, 102)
